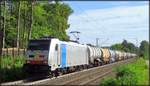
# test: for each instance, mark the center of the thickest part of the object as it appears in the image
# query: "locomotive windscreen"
(38, 45)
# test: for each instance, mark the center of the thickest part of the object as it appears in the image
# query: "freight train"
(51, 55)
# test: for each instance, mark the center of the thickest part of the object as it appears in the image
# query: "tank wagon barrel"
(94, 54)
(112, 56)
(105, 55)
(125, 55)
(120, 55)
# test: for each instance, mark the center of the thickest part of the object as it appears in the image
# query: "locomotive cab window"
(56, 47)
(38, 45)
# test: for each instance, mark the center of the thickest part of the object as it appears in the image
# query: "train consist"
(52, 55)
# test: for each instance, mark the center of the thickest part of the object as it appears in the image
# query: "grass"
(129, 74)
(11, 68)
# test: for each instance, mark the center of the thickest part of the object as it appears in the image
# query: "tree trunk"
(1, 31)
(18, 25)
(1, 44)
(24, 29)
(31, 21)
(4, 14)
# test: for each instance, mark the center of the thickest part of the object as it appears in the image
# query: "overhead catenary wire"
(89, 18)
(95, 23)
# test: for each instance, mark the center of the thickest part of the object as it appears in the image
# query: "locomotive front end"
(37, 56)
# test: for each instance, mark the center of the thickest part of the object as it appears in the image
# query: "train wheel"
(78, 68)
(99, 63)
(82, 67)
(54, 73)
(85, 67)
(49, 73)
(65, 71)
(60, 73)
(91, 65)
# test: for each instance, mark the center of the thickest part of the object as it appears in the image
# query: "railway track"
(26, 80)
(84, 77)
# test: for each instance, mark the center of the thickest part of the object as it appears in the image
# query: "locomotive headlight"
(45, 62)
(27, 61)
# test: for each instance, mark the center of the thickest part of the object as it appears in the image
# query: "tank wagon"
(116, 56)
(128, 55)
(50, 55)
(94, 55)
(123, 55)
(120, 55)
(113, 57)
(105, 55)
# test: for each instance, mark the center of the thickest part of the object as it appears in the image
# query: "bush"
(109, 82)
(123, 71)
(11, 68)
(130, 74)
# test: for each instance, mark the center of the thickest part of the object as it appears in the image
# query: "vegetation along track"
(84, 77)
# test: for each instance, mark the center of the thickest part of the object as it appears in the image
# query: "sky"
(109, 21)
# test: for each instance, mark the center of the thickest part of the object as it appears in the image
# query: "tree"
(31, 20)
(4, 29)
(144, 48)
(117, 47)
(125, 46)
(18, 24)
(57, 17)
(35, 20)
(1, 31)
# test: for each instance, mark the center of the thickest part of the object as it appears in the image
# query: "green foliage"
(48, 20)
(109, 82)
(144, 49)
(117, 47)
(129, 74)
(57, 19)
(123, 71)
(11, 68)
(126, 76)
(125, 46)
